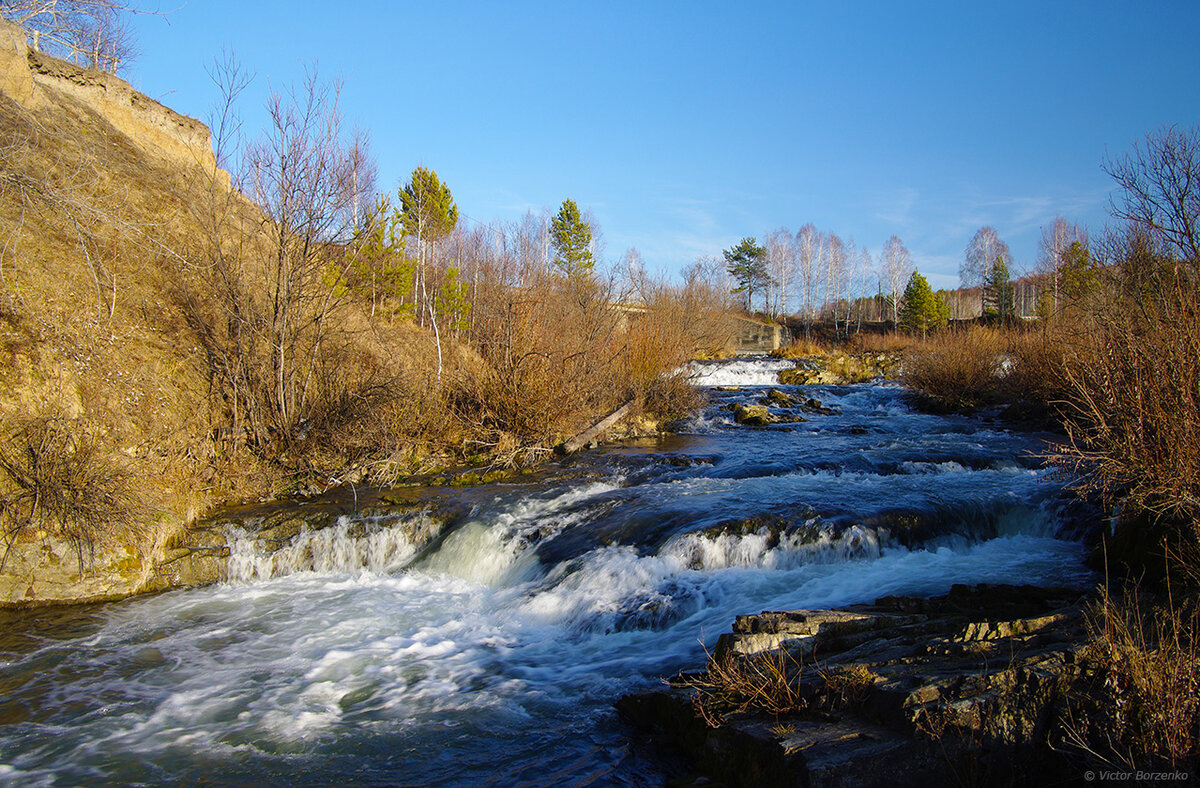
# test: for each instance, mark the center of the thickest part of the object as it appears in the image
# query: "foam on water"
(346, 655)
(351, 545)
(739, 372)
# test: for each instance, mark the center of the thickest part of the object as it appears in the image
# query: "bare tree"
(981, 255)
(93, 33)
(781, 263)
(808, 250)
(836, 272)
(1160, 189)
(1055, 240)
(267, 279)
(897, 267)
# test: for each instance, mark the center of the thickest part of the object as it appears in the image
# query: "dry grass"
(1143, 710)
(891, 342)
(768, 682)
(803, 348)
(847, 687)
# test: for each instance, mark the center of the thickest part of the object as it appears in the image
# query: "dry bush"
(1134, 417)
(1143, 710)
(57, 476)
(557, 353)
(768, 682)
(548, 362)
(675, 325)
(958, 369)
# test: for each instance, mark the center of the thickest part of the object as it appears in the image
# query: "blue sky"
(686, 126)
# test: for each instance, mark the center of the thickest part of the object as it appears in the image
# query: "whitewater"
(493, 655)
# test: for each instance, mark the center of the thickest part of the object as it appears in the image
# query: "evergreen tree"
(998, 291)
(381, 270)
(426, 207)
(921, 309)
(428, 213)
(747, 264)
(1079, 272)
(571, 237)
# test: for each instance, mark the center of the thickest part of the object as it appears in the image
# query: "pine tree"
(381, 269)
(571, 237)
(747, 264)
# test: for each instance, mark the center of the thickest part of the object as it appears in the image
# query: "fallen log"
(587, 436)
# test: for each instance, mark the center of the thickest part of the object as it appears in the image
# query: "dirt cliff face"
(101, 191)
(32, 79)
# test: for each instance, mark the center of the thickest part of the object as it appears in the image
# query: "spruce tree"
(998, 292)
(920, 309)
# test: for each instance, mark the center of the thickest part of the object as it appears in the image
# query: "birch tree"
(781, 264)
(897, 266)
(808, 249)
(980, 258)
(1053, 245)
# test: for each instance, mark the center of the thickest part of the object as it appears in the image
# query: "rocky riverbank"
(969, 687)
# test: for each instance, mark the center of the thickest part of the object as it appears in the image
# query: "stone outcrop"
(906, 691)
(841, 369)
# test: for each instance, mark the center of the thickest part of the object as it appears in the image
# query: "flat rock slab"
(980, 668)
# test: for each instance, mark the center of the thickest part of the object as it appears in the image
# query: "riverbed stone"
(973, 676)
(753, 415)
(779, 399)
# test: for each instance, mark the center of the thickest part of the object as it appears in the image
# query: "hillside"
(101, 392)
(115, 433)
(169, 346)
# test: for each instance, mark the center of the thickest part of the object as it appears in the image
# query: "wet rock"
(900, 692)
(841, 369)
(753, 415)
(779, 399)
(812, 405)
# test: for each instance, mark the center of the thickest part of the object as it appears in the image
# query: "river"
(495, 657)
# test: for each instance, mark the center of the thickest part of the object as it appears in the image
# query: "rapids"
(493, 656)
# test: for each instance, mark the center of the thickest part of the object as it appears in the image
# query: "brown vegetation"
(167, 344)
(1142, 708)
(767, 682)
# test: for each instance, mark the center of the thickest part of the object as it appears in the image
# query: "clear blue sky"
(685, 126)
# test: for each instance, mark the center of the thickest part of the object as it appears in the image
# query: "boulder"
(779, 399)
(753, 415)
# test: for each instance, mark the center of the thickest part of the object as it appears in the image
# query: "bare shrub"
(958, 368)
(60, 478)
(1134, 417)
(1143, 709)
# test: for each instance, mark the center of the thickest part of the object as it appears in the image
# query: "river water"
(494, 658)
